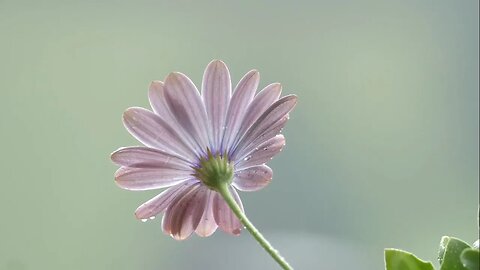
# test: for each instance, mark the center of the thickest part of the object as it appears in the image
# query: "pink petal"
(159, 104)
(259, 105)
(145, 157)
(146, 179)
(216, 92)
(271, 132)
(207, 225)
(263, 153)
(225, 218)
(242, 96)
(156, 96)
(166, 219)
(159, 203)
(187, 107)
(183, 215)
(153, 131)
(253, 178)
(275, 114)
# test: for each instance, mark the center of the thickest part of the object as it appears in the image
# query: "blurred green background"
(382, 149)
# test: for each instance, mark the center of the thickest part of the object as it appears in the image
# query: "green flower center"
(214, 170)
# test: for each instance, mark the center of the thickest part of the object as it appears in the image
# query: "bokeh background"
(382, 149)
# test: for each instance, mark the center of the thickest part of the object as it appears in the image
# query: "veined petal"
(184, 215)
(242, 96)
(253, 178)
(146, 179)
(159, 203)
(276, 113)
(153, 131)
(145, 157)
(187, 107)
(225, 218)
(216, 92)
(271, 132)
(156, 96)
(166, 219)
(207, 225)
(263, 153)
(259, 105)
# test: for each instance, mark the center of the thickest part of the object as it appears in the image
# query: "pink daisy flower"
(196, 141)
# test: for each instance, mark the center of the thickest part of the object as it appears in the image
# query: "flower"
(197, 141)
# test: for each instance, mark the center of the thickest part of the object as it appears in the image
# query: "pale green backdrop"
(382, 149)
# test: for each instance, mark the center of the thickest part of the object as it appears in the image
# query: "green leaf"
(396, 259)
(449, 253)
(470, 258)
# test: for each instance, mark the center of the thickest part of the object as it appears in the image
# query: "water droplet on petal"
(144, 219)
(265, 148)
(247, 158)
(152, 217)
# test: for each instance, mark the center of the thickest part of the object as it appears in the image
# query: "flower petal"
(159, 203)
(207, 225)
(259, 105)
(216, 92)
(187, 107)
(145, 157)
(271, 132)
(225, 218)
(263, 153)
(166, 219)
(277, 113)
(159, 105)
(156, 96)
(153, 131)
(242, 96)
(147, 179)
(253, 178)
(183, 215)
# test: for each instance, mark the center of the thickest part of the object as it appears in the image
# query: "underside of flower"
(203, 146)
(214, 170)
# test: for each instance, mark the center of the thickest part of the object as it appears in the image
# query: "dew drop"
(265, 148)
(144, 219)
(247, 158)
(152, 217)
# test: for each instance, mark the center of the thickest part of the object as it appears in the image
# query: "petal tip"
(217, 62)
(277, 85)
(129, 111)
(204, 234)
(293, 96)
(174, 76)
(113, 155)
(155, 85)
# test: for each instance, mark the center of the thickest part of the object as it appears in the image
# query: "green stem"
(227, 196)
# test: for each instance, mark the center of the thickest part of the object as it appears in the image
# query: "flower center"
(214, 170)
